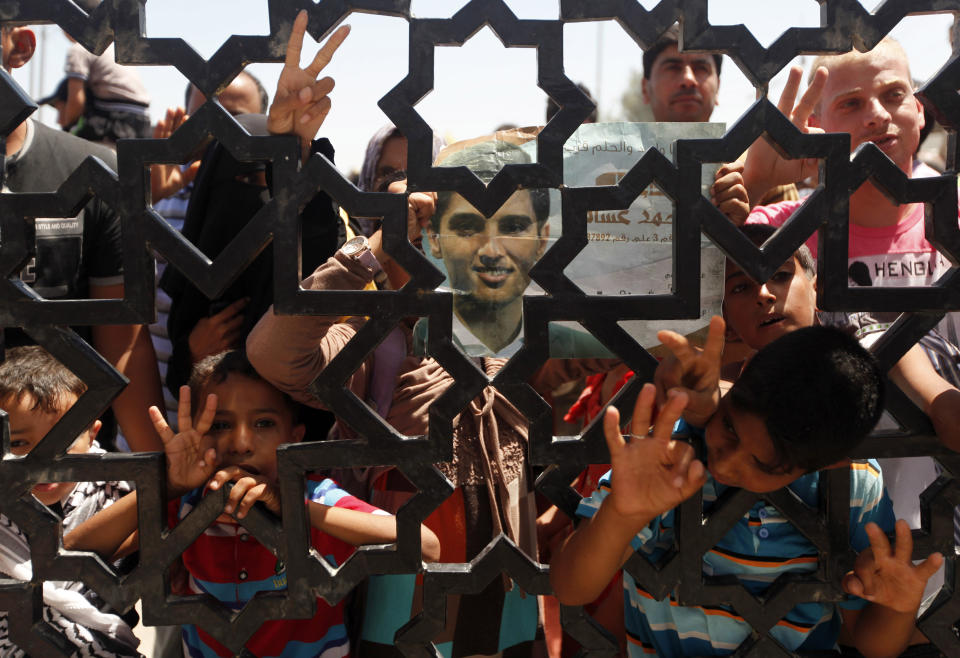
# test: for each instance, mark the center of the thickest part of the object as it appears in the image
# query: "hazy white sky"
(476, 87)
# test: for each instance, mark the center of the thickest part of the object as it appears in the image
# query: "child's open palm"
(887, 576)
(191, 458)
(651, 472)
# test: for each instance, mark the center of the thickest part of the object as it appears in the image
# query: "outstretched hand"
(168, 179)
(692, 371)
(302, 101)
(651, 473)
(887, 576)
(764, 168)
(191, 458)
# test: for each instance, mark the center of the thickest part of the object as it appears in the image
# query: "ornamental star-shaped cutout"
(213, 75)
(320, 173)
(314, 573)
(211, 120)
(160, 547)
(398, 103)
(93, 31)
(763, 119)
(644, 26)
(18, 213)
(500, 556)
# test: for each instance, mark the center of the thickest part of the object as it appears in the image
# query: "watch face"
(354, 246)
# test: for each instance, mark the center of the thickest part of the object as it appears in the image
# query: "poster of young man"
(487, 260)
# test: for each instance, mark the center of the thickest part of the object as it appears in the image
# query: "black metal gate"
(845, 24)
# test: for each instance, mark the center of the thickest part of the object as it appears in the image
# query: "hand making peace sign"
(302, 102)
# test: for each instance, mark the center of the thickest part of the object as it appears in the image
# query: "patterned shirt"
(759, 548)
(229, 564)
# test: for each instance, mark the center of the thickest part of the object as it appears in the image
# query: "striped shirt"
(229, 564)
(759, 548)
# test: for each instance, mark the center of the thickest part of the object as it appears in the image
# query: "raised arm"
(764, 168)
(938, 398)
(289, 351)
(651, 474)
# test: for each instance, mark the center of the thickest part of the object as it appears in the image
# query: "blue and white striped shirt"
(759, 548)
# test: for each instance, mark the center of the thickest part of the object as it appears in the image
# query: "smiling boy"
(801, 404)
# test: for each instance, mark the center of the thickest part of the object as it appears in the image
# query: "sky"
(476, 87)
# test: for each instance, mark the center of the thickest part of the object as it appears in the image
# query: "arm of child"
(693, 371)
(939, 399)
(894, 586)
(111, 533)
(351, 526)
(359, 528)
(651, 474)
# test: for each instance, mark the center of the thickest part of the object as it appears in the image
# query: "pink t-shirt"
(895, 256)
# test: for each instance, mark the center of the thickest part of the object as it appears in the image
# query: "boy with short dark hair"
(234, 438)
(36, 391)
(759, 437)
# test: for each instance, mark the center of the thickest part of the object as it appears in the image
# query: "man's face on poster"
(488, 259)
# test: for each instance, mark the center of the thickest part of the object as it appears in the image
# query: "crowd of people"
(777, 391)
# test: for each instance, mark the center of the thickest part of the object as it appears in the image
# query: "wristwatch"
(358, 249)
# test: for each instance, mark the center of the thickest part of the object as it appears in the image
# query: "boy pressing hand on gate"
(801, 404)
(234, 438)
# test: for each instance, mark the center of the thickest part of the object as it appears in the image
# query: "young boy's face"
(762, 313)
(253, 419)
(740, 452)
(870, 96)
(28, 426)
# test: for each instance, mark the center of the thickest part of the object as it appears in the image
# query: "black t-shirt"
(71, 252)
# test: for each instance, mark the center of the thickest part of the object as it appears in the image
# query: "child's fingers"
(160, 424)
(643, 411)
(680, 347)
(879, 542)
(611, 431)
(669, 415)
(240, 487)
(252, 495)
(184, 421)
(903, 551)
(207, 415)
(681, 462)
(222, 476)
(930, 566)
(716, 337)
(852, 585)
(668, 375)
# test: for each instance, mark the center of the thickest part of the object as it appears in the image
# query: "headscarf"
(368, 172)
